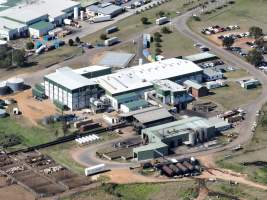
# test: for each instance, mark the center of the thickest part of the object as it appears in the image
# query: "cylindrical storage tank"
(76, 13)
(15, 84)
(82, 15)
(3, 88)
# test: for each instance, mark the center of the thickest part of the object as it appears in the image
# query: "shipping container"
(112, 30)
(188, 165)
(162, 20)
(111, 41)
(95, 169)
(101, 18)
(78, 124)
(181, 167)
(176, 170)
(88, 127)
(167, 171)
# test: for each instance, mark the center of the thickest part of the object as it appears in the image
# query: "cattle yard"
(40, 174)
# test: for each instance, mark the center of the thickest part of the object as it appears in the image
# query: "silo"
(82, 15)
(3, 88)
(15, 84)
(76, 13)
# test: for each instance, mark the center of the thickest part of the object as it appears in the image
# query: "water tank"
(76, 13)
(82, 15)
(15, 84)
(3, 88)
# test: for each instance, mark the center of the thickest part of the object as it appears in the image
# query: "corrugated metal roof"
(153, 115)
(200, 56)
(106, 9)
(150, 147)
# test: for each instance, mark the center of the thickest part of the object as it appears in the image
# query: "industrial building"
(160, 139)
(126, 85)
(104, 9)
(212, 75)
(40, 28)
(139, 79)
(20, 17)
(68, 88)
(196, 89)
(201, 57)
(172, 93)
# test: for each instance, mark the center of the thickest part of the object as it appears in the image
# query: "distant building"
(196, 89)
(104, 9)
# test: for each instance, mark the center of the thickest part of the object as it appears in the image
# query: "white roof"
(138, 77)
(89, 69)
(69, 79)
(10, 24)
(27, 12)
(168, 85)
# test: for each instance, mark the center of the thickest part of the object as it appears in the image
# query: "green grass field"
(236, 74)
(156, 191)
(255, 151)
(233, 95)
(245, 13)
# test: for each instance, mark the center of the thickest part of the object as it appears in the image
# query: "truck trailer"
(162, 20)
(94, 169)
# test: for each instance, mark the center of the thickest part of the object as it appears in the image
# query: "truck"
(112, 30)
(67, 22)
(95, 169)
(111, 41)
(100, 18)
(162, 20)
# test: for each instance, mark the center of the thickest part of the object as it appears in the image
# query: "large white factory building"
(120, 86)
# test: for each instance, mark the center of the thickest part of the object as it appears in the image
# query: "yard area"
(132, 26)
(239, 73)
(252, 159)
(186, 189)
(245, 13)
(232, 96)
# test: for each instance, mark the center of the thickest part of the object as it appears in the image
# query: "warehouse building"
(27, 14)
(68, 88)
(172, 93)
(201, 57)
(139, 79)
(212, 75)
(104, 9)
(10, 29)
(196, 89)
(40, 28)
(188, 131)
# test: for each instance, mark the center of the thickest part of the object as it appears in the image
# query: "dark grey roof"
(153, 115)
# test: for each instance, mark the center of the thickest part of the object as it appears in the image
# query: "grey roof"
(148, 109)
(200, 56)
(150, 147)
(152, 115)
(211, 72)
(218, 122)
(193, 84)
(106, 9)
(69, 79)
(10, 24)
(116, 59)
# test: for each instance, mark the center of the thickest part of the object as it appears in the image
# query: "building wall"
(150, 154)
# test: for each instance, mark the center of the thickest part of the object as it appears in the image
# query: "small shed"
(40, 28)
(134, 105)
(196, 89)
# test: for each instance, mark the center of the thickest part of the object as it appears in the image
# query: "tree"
(158, 39)
(260, 42)
(18, 58)
(103, 36)
(77, 40)
(158, 51)
(228, 42)
(160, 14)
(254, 57)
(29, 45)
(144, 20)
(157, 44)
(255, 31)
(71, 42)
(165, 30)
(157, 34)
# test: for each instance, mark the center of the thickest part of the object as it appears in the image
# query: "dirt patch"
(15, 192)
(32, 109)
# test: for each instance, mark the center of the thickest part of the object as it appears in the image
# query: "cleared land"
(232, 95)
(156, 191)
(236, 74)
(252, 159)
(245, 13)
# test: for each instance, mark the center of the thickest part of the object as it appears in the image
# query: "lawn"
(155, 191)
(239, 73)
(245, 13)
(131, 26)
(232, 95)
(226, 191)
(30, 135)
(252, 153)
(174, 44)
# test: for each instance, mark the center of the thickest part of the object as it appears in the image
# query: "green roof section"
(200, 56)
(134, 105)
(41, 25)
(130, 96)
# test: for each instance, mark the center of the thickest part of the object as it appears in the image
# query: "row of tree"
(10, 57)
